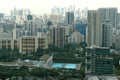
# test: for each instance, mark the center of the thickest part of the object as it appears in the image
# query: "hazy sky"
(44, 6)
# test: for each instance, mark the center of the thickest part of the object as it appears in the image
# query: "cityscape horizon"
(60, 40)
(39, 7)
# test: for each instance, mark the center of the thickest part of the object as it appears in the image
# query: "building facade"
(9, 43)
(29, 44)
(58, 35)
(99, 60)
(5, 35)
(30, 28)
(106, 34)
(118, 40)
(94, 30)
(109, 14)
(69, 17)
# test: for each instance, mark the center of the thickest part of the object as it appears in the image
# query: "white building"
(58, 35)
(107, 34)
(16, 33)
(5, 35)
(118, 40)
(76, 37)
(94, 29)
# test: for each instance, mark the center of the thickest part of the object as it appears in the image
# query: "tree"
(5, 72)
(23, 68)
(53, 72)
(52, 48)
(83, 44)
(40, 50)
(70, 45)
(9, 55)
(39, 72)
(113, 46)
(23, 71)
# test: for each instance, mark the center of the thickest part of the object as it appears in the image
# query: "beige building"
(58, 36)
(94, 29)
(6, 43)
(76, 37)
(25, 44)
(56, 18)
(30, 44)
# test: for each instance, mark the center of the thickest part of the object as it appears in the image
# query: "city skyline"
(44, 6)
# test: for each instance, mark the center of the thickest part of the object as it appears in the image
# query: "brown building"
(9, 43)
(58, 36)
(30, 44)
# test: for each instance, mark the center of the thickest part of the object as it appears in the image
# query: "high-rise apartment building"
(106, 34)
(94, 29)
(58, 35)
(19, 14)
(16, 33)
(30, 28)
(118, 20)
(97, 34)
(109, 14)
(69, 17)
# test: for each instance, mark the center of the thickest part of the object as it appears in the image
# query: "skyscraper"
(30, 28)
(118, 20)
(58, 36)
(19, 13)
(109, 14)
(106, 34)
(69, 17)
(94, 30)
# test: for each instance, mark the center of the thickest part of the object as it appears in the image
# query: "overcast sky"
(44, 6)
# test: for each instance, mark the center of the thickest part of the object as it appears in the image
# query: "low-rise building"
(102, 77)
(6, 43)
(29, 44)
(99, 60)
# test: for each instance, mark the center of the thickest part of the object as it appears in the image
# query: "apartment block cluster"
(28, 32)
(103, 25)
(102, 38)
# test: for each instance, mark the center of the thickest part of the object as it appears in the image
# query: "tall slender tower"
(106, 34)
(58, 36)
(94, 30)
(69, 17)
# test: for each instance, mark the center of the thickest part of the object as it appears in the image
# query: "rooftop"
(44, 57)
